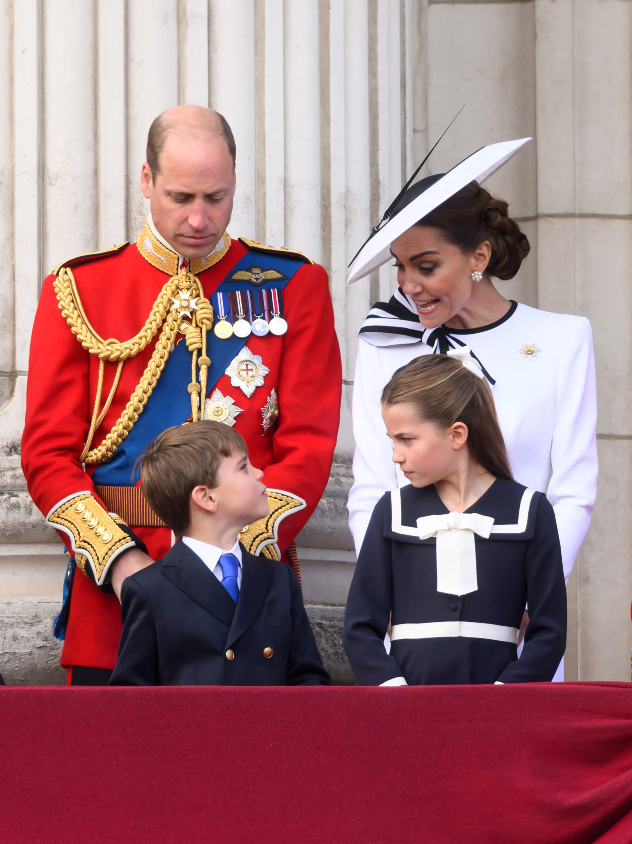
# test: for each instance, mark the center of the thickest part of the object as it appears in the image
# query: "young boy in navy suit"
(210, 613)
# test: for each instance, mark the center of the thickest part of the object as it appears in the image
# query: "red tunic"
(118, 292)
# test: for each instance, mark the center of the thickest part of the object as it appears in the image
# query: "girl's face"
(425, 453)
(436, 274)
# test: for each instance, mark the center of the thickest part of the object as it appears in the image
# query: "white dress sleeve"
(373, 468)
(573, 485)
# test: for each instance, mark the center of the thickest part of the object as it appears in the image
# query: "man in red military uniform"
(184, 324)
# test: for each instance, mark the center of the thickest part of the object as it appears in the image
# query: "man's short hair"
(159, 130)
(180, 459)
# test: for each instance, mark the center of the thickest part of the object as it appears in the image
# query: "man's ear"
(459, 435)
(146, 181)
(202, 498)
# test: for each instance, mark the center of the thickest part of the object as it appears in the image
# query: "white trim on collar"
(523, 515)
(406, 530)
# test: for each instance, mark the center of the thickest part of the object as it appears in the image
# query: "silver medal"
(241, 328)
(260, 327)
(278, 326)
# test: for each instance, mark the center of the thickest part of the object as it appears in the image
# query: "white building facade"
(332, 105)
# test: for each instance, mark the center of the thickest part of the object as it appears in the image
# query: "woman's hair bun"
(473, 216)
(510, 246)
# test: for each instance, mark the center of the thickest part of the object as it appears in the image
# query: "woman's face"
(436, 274)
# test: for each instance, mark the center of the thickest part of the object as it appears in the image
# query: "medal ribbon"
(219, 305)
(240, 305)
(275, 303)
(264, 299)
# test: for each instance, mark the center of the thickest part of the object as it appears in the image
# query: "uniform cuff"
(396, 681)
(97, 538)
(260, 538)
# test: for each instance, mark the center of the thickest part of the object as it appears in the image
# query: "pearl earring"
(476, 276)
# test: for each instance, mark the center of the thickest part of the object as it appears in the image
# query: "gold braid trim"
(162, 314)
(139, 397)
(283, 251)
(260, 538)
(112, 350)
(96, 536)
(84, 257)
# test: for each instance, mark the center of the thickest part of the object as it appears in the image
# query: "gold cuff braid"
(97, 537)
(260, 538)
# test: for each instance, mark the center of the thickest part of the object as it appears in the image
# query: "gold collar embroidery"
(165, 259)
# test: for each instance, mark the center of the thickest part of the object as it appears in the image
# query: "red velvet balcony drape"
(502, 764)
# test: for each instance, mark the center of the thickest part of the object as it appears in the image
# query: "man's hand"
(128, 563)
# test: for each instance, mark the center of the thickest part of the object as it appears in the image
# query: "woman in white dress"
(540, 365)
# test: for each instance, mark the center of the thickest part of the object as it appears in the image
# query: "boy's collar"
(211, 554)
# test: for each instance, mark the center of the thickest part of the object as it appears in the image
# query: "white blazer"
(546, 404)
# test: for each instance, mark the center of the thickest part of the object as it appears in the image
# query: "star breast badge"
(220, 408)
(256, 276)
(270, 412)
(529, 351)
(247, 371)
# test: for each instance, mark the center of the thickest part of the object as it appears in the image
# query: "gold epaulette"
(96, 536)
(260, 538)
(255, 246)
(90, 256)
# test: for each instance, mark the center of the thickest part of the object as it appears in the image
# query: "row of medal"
(245, 312)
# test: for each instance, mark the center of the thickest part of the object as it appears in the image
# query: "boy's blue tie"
(230, 567)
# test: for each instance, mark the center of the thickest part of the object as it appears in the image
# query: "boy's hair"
(443, 392)
(180, 459)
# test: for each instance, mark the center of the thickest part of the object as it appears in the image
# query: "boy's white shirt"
(210, 554)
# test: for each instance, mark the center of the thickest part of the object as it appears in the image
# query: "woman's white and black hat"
(426, 195)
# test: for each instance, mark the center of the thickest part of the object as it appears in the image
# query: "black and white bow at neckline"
(396, 322)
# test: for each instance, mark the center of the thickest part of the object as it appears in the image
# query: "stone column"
(232, 92)
(584, 120)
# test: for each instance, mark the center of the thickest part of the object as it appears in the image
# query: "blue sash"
(170, 403)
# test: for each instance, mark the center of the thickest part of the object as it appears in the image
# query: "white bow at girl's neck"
(456, 548)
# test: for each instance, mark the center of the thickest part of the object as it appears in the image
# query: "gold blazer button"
(268, 652)
(230, 654)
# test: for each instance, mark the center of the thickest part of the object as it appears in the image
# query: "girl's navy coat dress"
(442, 638)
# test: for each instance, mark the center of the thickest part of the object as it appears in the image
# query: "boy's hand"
(128, 563)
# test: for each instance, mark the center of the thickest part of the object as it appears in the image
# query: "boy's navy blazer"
(179, 624)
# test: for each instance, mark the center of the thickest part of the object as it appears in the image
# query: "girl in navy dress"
(453, 559)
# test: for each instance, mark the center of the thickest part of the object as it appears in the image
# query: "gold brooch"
(529, 351)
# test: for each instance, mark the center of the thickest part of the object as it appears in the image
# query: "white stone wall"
(332, 104)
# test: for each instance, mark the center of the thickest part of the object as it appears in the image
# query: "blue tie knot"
(230, 567)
